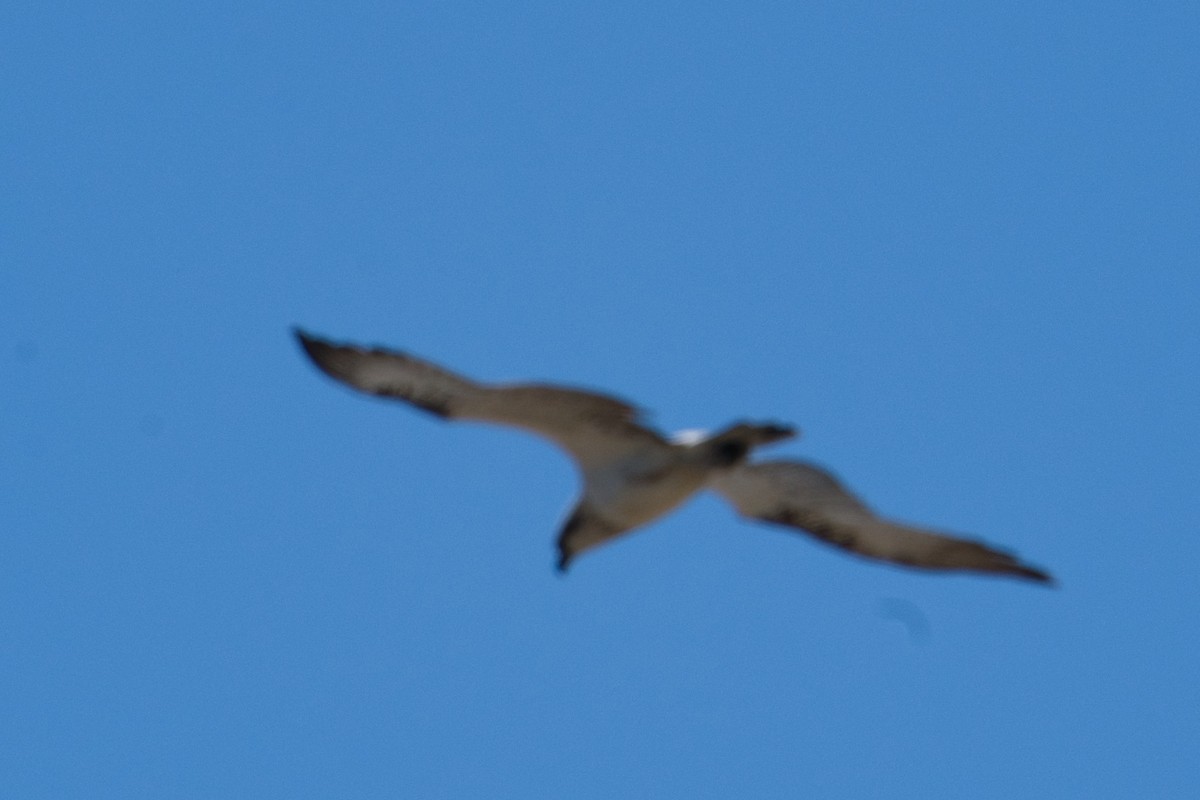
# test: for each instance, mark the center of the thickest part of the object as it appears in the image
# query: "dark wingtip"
(303, 337)
(313, 346)
(1012, 568)
(1036, 575)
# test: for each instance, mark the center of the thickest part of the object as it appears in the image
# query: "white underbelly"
(636, 500)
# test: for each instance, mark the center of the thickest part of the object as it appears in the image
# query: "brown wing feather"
(389, 373)
(592, 427)
(806, 498)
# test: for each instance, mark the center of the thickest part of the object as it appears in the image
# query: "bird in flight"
(633, 474)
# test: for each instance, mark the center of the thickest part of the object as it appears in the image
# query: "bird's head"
(733, 444)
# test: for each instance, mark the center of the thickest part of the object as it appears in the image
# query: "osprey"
(633, 475)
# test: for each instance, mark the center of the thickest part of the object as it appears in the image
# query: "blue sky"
(955, 243)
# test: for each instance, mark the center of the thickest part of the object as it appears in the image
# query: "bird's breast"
(634, 494)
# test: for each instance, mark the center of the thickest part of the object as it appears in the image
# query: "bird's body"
(656, 477)
(644, 486)
(633, 475)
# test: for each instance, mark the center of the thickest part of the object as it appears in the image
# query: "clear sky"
(956, 243)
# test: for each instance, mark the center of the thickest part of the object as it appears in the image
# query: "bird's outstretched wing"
(596, 429)
(807, 498)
